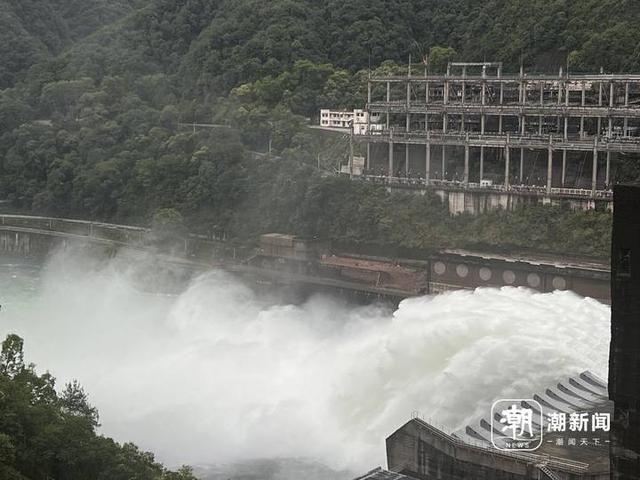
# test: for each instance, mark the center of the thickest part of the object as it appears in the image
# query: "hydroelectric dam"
(285, 260)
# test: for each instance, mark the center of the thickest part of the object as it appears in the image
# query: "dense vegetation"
(34, 30)
(92, 122)
(47, 434)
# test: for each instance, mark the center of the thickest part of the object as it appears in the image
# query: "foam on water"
(217, 375)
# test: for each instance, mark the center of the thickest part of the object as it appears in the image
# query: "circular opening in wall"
(462, 270)
(509, 277)
(439, 268)
(533, 279)
(485, 274)
(559, 283)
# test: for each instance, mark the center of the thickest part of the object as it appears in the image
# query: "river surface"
(217, 377)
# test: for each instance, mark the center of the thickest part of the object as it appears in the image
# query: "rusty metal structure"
(554, 136)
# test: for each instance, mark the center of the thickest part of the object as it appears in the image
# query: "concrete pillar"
(611, 94)
(408, 94)
(426, 92)
(391, 172)
(564, 165)
(446, 92)
(549, 169)
(369, 92)
(368, 156)
(501, 102)
(626, 94)
(625, 127)
(521, 165)
(608, 170)
(427, 171)
(466, 162)
(444, 162)
(462, 123)
(599, 94)
(583, 103)
(594, 171)
(481, 163)
(599, 104)
(541, 93)
(506, 164)
(610, 128)
(566, 128)
(540, 124)
(445, 121)
(560, 88)
(406, 158)
(482, 122)
(408, 122)
(388, 100)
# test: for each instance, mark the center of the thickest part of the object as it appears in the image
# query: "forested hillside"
(92, 129)
(46, 434)
(34, 30)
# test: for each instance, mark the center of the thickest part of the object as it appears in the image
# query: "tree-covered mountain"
(95, 126)
(218, 45)
(34, 30)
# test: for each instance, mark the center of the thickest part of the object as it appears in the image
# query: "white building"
(343, 118)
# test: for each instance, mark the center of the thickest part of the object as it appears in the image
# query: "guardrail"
(420, 182)
(105, 231)
(497, 140)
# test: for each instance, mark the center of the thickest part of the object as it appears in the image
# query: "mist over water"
(217, 375)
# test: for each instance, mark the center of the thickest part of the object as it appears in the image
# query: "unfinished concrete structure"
(539, 136)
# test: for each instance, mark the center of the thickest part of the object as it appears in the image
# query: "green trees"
(32, 31)
(96, 123)
(44, 434)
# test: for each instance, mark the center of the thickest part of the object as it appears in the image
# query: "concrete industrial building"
(552, 137)
(624, 360)
(362, 121)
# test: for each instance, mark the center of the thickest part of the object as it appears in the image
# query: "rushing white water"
(216, 375)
